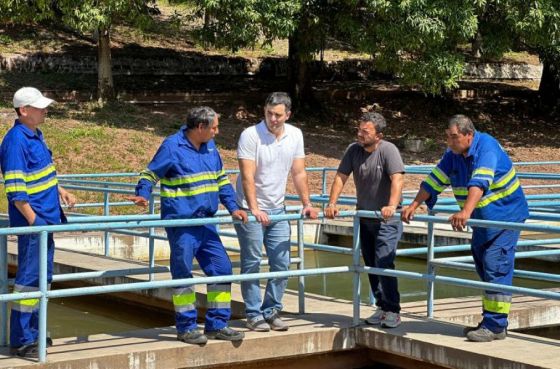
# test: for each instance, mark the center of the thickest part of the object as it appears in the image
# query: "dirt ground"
(527, 134)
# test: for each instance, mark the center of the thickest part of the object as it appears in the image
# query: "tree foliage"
(85, 16)
(531, 25)
(421, 41)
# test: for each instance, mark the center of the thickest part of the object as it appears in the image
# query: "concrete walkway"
(325, 330)
(328, 329)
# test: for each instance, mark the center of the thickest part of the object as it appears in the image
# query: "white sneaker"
(390, 320)
(376, 317)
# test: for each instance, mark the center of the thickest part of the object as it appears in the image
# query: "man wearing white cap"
(33, 199)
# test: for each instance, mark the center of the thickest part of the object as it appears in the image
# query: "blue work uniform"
(30, 176)
(488, 167)
(193, 183)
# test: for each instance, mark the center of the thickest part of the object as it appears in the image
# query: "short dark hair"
(200, 115)
(377, 119)
(463, 123)
(18, 112)
(279, 98)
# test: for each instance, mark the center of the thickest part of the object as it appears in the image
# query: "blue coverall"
(193, 182)
(30, 176)
(488, 167)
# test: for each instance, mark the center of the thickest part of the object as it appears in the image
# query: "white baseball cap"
(30, 96)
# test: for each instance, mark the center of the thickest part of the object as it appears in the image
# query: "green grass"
(94, 138)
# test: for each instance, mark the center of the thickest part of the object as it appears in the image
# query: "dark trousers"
(379, 241)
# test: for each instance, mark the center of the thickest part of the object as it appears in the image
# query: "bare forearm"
(421, 196)
(247, 171)
(473, 197)
(302, 188)
(397, 181)
(336, 189)
(250, 192)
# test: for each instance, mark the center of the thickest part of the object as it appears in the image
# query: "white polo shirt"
(273, 159)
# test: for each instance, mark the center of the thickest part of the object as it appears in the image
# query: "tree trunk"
(299, 71)
(476, 45)
(549, 88)
(105, 87)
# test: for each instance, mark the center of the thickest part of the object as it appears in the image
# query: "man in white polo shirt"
(268, 152)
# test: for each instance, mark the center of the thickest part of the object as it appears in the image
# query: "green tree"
(420, 41)
(86, 16)
(532, 25)
(414, 39)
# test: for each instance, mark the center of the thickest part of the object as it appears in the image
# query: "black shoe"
(30, 351)
(16, 351)
(226, 334)
(194, 337)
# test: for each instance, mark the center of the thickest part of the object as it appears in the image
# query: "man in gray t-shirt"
(378, 172)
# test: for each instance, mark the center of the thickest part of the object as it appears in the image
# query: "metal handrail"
(128, 224)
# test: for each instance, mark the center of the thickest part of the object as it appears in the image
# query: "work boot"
(390, 320)
(483, 334)
(193, 336)
(30, 351)
(275, 323)
(466, 330)
(24, 351)
(257, 324)
(375, 318)
(226, 334)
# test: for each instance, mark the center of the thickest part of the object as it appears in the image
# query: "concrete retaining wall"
(195, 64)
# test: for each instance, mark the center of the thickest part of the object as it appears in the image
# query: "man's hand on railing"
(407, 214)
(459, 220)
(331, 211)
(138, 200)
(310, 212)
(241, 215)
(261, 216)
(388, 211)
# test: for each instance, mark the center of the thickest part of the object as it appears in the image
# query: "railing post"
(356, 264)
(43, 287)
(301, 266)
(431, 268)
(3, 290)
(324, 183)
(106, 212)
(151, 240)
(323, 191)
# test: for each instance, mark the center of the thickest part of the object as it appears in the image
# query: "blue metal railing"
(132, 225)
(43, 294)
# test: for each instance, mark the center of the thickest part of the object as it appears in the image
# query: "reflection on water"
(88, 315)
(340, 285)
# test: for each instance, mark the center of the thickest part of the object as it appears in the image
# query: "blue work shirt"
(488, 167)
(29, 175)
(193, 182)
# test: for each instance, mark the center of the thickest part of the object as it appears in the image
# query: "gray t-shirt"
(371, 172)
